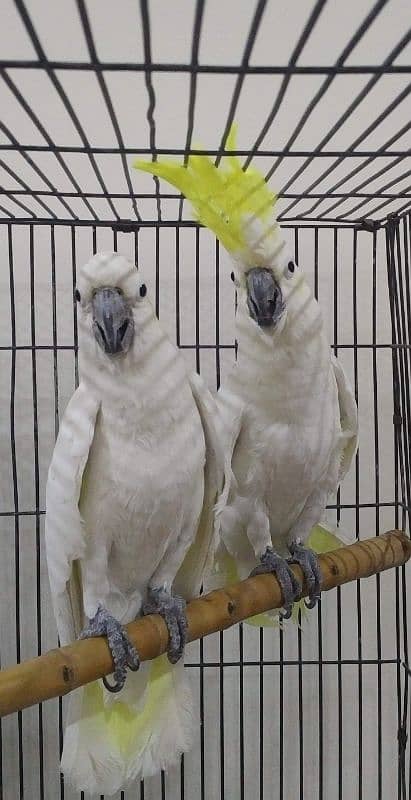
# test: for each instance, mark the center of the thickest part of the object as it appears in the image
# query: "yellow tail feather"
(124, 725)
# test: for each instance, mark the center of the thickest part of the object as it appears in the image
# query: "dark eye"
(232, 277)
(291, 266)
(143, 290)
(77, 295)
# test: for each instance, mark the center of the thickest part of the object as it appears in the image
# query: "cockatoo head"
(109, 290)
(271, 289)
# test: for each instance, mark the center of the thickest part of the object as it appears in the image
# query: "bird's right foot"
(123, 652)
(173, 610)
(271, 562)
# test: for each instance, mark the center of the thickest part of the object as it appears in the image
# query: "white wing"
(64, 529)
(217, 475)
(230, 415)
(348, 417)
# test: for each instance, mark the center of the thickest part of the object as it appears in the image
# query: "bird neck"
(281, 363)
(137, 372)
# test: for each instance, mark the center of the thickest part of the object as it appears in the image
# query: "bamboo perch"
(62, 670)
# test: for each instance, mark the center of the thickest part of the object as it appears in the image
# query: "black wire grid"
(358, 198)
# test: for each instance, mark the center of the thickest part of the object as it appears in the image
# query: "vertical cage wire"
(283, 651)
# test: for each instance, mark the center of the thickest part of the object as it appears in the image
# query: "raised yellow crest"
(222, 197)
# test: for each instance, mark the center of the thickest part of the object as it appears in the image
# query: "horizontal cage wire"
(333, 132)
(321, 95)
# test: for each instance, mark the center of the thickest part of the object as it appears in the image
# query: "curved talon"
(286, 612)
(290, 587)
(123, 652)
(311, 602)
(132, 656)
(114, 688)
(172, 609)
(307, 559)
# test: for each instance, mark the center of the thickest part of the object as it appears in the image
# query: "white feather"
(172, 733)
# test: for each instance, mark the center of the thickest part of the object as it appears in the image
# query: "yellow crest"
(222, 197)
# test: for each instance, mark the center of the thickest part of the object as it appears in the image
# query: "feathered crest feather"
(236, 204)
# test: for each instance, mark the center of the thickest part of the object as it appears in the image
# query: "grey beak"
(113, 323)
(264, 297)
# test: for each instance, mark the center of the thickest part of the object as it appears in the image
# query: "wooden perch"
(62, 670)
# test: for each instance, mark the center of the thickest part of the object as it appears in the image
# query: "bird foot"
(308, 561)
(271, 562)
(123, 652)
(172, 609)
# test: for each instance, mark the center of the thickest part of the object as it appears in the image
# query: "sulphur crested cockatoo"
(130, 494)
(290, 418)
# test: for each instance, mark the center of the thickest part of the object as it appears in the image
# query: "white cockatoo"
(290, 420)
(289, 414)
(132, 485)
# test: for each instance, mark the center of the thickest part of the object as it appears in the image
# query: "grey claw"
(123, 652)
(310, 604)
(172, 609)
(291, 589)
(115, 687)
(308, 561)
(133, 665)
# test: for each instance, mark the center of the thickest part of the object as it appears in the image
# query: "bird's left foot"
(308, 561)
(172, 609)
